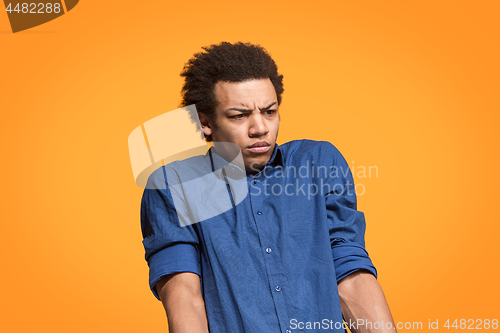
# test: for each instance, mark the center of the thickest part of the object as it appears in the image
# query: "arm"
(181, 296)
(362, 298)
(172, 253)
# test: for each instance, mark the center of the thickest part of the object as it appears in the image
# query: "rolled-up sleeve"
(169, 246)
(346, 224)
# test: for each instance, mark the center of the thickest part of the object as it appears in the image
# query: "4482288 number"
(471, 324)
(35, 8)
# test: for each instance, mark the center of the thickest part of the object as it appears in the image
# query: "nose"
(258, 126)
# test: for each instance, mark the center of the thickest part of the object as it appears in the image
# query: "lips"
(259, 147)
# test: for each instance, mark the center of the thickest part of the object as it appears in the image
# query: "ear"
(205, 125)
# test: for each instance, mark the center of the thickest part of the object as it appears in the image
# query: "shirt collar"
(218, 163)
(276, 157)
(220, 166)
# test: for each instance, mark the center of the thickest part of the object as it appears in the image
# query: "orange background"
(411, 88)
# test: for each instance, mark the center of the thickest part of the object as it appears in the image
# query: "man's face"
(246, 115)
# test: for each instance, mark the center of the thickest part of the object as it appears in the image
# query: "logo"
(172, 147)
(26, 15)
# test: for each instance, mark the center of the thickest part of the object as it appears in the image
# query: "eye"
(238, 116)
(270, 112)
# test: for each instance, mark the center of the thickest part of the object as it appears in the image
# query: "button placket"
(272, 262)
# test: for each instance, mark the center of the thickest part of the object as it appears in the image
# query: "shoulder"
(175, 172)
(157, 179)
(310, 149)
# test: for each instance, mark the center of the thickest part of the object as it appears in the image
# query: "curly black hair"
(225, 62)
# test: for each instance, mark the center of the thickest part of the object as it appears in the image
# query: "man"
(288, 255)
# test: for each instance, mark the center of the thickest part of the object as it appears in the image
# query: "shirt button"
(278, 288)
(268, 250)
(288, 331)
(259, 213)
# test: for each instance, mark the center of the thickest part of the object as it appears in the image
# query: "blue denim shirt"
(271, 259)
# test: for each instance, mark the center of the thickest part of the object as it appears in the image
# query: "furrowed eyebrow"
(249, 110)
(269, 106)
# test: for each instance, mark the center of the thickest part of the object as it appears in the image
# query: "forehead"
(251, 93)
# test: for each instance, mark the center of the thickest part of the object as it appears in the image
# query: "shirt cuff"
(350, 257)
(176, 258)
